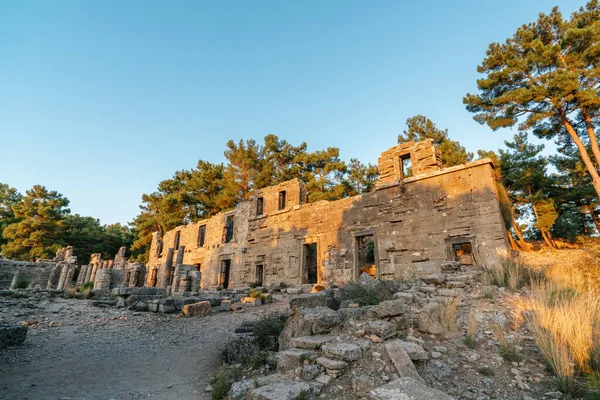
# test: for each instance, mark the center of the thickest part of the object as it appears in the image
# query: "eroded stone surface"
(407, 389)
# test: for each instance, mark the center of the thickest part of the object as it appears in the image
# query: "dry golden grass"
(448, 315)
(471, 330)
(569, 316)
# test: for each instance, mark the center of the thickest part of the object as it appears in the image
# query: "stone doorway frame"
(355, 237)
(303, 268)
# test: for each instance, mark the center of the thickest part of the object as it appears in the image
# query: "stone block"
(289, 360)
(389, 308)
(434, 279)
(430, 319)
(407, 388)
(383, 329)
(12, 335)
(293, 291)
(311, 300)
(415, 351)
(288, 390)
(237, 307)
(310, 372)
(225, 305)
(329, 363)
(342, 351)
(311, 342)
(197, 309)
(166, 308)
(255, 302)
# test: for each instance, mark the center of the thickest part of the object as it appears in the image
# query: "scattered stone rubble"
(402, 348)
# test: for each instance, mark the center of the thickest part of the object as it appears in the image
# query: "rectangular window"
(406, 164)
(176, 241)
(229, 229)
(282, 200)
(201, 235)
(159, 248)
(259, 206)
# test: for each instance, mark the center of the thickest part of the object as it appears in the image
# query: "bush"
(222, 380)
(266, 332)
(87, 285)
(254, 285)
(22, 283)
(364, 296)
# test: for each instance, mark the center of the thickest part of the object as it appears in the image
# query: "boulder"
(434, 279)
(289, 360)
(197, 309)
(225, 305)
(401, 360)
(383, 329)
(408, 389)
(12, 335)
(310, 372)
(389, 308)
(239, 389)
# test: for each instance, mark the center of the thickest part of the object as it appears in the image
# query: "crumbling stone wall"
(414, 223)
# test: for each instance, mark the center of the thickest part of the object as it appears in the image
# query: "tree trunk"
(543, 232)
(592, 136)
(524, 245)
(513, 244)
(584, 155)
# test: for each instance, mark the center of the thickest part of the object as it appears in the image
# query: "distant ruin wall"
(36, 273)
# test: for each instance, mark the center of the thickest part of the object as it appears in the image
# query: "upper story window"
(282, 200)
(260, 202)
(201, 235)
(176, 241)
(406, 165)
(159, 248)
(229, 229)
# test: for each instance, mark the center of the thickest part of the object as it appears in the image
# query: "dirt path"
(107, 353)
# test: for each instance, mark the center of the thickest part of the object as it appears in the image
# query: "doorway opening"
(365, 255)
(311, 274)
(224, 278)
(463, 252)
(259, 274)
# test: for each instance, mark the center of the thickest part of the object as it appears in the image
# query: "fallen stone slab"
(12, 335)
(197, 309)
(343, 351)
(401, 360)
(311, 342)
(280, 391)
(407, 389)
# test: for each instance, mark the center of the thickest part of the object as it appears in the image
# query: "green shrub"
(22, 283)
(266, 332)
(256, 284)
(87, 285)
(364, 296)
(303, 395)
(222, 380)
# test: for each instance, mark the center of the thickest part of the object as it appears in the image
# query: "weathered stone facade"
(419, 216)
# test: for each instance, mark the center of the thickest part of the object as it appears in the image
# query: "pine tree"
(546, 79)
(39, 232)
(9, 197)
(421, 128)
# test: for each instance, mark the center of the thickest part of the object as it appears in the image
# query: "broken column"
(53, 278)
(195, 278)
(164, 272)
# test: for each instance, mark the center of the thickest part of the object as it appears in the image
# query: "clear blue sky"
(101, 100)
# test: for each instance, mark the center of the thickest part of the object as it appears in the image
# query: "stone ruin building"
(418, 216)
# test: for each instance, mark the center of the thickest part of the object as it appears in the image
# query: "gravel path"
(79, 351)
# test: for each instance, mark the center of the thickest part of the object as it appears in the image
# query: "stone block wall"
(412, 221)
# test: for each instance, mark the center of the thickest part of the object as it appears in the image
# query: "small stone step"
(289, 360)
(287, 390)
(342, 351)
(311, 342)
(330, 363)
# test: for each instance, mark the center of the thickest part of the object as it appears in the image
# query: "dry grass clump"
(448, 315)
(508, 348)
(513, 274)
(566, 326)
(471, 331)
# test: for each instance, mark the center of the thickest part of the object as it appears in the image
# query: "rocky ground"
(75, 350)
